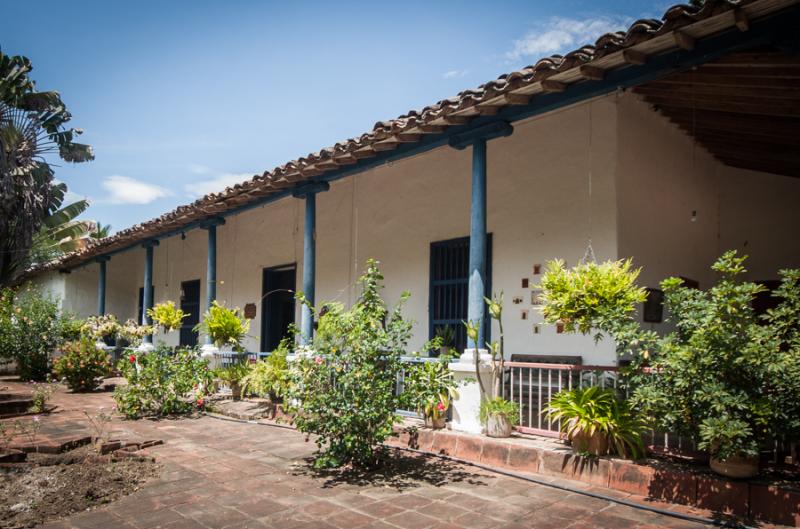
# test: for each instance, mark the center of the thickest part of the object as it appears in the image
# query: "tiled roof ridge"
(349, 151)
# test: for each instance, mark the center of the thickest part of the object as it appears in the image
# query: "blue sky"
(181, 98)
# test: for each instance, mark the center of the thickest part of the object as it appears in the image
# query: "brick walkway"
(226, 474)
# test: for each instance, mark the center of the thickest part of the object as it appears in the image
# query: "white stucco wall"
(664, 178)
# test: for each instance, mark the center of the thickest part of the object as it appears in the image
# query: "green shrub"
(499, 406)
(344, 385)
(269, 377)
(725, 377)
(70, 327)
(29, 330)
(429, 388)
(224, 326)
(161, 383)
(594, 410)
(82, 365)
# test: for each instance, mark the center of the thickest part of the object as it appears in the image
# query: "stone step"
(14, 406)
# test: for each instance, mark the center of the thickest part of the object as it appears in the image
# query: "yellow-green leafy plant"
(429, 388)
(224, 326)
(167, 316)
(591, 296)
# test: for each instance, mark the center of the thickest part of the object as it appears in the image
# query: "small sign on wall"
(250, 311)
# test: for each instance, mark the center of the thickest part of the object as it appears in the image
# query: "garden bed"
(50, 486)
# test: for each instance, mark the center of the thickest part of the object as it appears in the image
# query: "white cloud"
(197, 168)
(452, 74)
(560, 34)
(127, 190)
(216, 184)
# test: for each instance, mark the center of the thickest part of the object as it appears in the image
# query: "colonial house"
(669, 143)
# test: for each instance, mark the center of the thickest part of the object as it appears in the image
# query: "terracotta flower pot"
(498, 425)
(738, 467)
(436, 424)
(595, 444)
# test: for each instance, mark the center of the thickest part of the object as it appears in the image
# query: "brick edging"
(749, 499)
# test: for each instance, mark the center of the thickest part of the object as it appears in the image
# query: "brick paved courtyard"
(218, 473)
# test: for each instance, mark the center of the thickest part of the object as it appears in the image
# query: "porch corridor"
(219, 474)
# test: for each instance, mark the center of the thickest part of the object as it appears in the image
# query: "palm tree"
(32, 129)
(100, 231)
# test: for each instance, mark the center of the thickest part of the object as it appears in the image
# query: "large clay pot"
(498, 425)
(595, 444)
(436, 424)
(736, 467)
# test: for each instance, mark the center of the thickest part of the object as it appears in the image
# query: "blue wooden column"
(101, 285)
(147, 292)
(477, 138)
(477, 242)
(309, 193)
(211, 266)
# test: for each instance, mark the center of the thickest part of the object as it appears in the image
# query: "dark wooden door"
(190, 304)
(277, 305)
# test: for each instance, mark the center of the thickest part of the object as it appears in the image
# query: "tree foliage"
(344, 386)
(32, 130)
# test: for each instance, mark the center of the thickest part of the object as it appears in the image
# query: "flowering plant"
(101, 327)
(134, 333)
(429, 388)
(224, 326)
(82, 365)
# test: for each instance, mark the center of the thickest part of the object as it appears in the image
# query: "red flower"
(318, 360)
(200, 402)
(440, 406)
(132, 358)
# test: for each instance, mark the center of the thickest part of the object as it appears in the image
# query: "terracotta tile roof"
(678, 26)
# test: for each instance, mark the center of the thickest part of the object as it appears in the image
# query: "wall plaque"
(250, 311)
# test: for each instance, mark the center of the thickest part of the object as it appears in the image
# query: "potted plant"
(446, 338)
(499, 416)
(270, 377)
(233, 375)
(226, 327)
(167, 316)
(101, 329)
(594, 421)
(430, 387)
(733, 449)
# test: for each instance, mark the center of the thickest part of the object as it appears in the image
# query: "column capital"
(150, 244)
(488, 131)
(213, 222)
(312, 188)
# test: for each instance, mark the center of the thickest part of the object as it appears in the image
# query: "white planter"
(466, 408)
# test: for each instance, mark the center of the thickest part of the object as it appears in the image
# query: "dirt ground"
(48, 487)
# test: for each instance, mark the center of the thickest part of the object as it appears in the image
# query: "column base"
(466, 408)
(208, 352)
(145, 347)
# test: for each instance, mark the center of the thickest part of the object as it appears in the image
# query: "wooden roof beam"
(740, 19)
(407, 138)
(549, 85)
(488, 110)
(455, 120)
(385, 146)
(684, 41)
(635, 57)
(516, 99)
(592, 73)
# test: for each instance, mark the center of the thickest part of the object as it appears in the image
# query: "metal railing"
(533, 385)
(226, 359)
